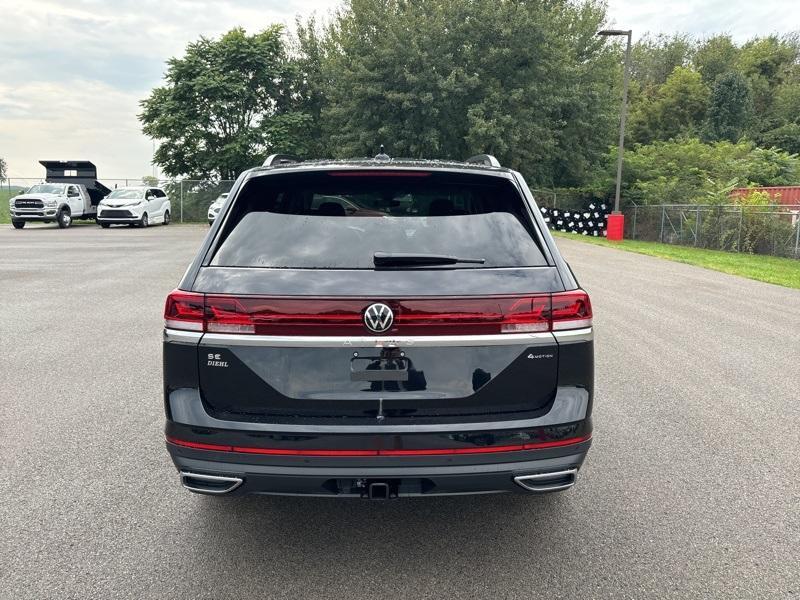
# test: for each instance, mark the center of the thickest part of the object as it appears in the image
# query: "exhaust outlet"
(548, 482)
(209, 484)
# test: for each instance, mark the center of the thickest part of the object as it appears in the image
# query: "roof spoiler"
(486, 160)
(273, 160)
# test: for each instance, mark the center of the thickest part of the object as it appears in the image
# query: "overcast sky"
(72, 71)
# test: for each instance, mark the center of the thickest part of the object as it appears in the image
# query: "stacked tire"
(590, 221)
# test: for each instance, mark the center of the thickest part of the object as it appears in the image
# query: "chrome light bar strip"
(299, 341)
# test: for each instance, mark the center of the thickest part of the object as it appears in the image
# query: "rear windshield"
(340, 220)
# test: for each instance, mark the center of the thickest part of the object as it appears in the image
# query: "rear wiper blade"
(398, 259)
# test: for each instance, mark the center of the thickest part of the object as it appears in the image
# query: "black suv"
(378, 328)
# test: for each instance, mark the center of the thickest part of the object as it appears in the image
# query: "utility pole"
(616, 220)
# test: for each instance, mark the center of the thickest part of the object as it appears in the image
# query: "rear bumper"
(421, 460)
(557, 469)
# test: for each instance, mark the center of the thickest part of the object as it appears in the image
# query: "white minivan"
(140, 205)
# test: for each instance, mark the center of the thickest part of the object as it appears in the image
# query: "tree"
(3, 169)
(715, 56)
(150, 180)
(654, 59)
(767, 63)
(677, 109)
(227, 103)
(729, 107)
(688, 170)
(527, 81)
(310, 53)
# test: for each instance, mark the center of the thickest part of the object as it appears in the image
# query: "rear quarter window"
(338, 220)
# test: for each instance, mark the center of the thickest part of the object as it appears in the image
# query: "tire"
(105, 225)
(64, 218)
(18, 224)
(166, 218)
(144, 221)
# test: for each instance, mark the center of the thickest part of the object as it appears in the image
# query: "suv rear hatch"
(306, 262)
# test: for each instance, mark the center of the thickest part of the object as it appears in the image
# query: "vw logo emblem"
(378, 317)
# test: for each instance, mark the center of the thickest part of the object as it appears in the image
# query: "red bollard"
(615, 226)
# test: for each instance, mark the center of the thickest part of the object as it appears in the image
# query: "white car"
(139, 205)
(213, 210)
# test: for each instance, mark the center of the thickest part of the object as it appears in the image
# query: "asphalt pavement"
(691, 489)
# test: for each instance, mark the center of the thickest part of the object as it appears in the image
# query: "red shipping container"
(786, 194)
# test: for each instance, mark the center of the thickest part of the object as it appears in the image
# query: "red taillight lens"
(285, 316)
(184, 310)
(439, 316)
(329, 316)
(225, 314)
(571, 310)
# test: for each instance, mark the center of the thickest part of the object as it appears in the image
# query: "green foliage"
(528, 82)
(786, 136)
(678, 108)
(768, 57)
(690, 171)
(150, 180)
(653, 60)
(755, 89)
(730, 107)
(309, 53)
(715, 56)
(3, 169)
(782, 130)
(227, 103)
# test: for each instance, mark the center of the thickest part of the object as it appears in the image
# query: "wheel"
(166, 218)
(64, 218)
(18, 224)
(143, 222)
(105, 225)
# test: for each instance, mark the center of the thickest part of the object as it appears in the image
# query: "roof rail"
(280, 159)
(483, 159)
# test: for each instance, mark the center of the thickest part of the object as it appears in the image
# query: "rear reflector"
(216, 313)
(382, 452)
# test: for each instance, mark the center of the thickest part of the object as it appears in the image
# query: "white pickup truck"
(70, 192)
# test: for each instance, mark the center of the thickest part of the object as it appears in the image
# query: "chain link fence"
(769, 229)
(190, 198)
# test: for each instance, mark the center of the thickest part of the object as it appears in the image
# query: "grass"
(770, 269)
(4, 196)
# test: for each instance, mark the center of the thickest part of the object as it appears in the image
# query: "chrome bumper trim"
(572, 336)
(276, 341)
(182, 337)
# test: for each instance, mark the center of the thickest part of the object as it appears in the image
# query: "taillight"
(184, 310)
(571, 310)
(345, 316)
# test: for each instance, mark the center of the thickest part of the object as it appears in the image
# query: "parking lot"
(692, 487)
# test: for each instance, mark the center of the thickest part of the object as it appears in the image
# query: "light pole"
(616, 220)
